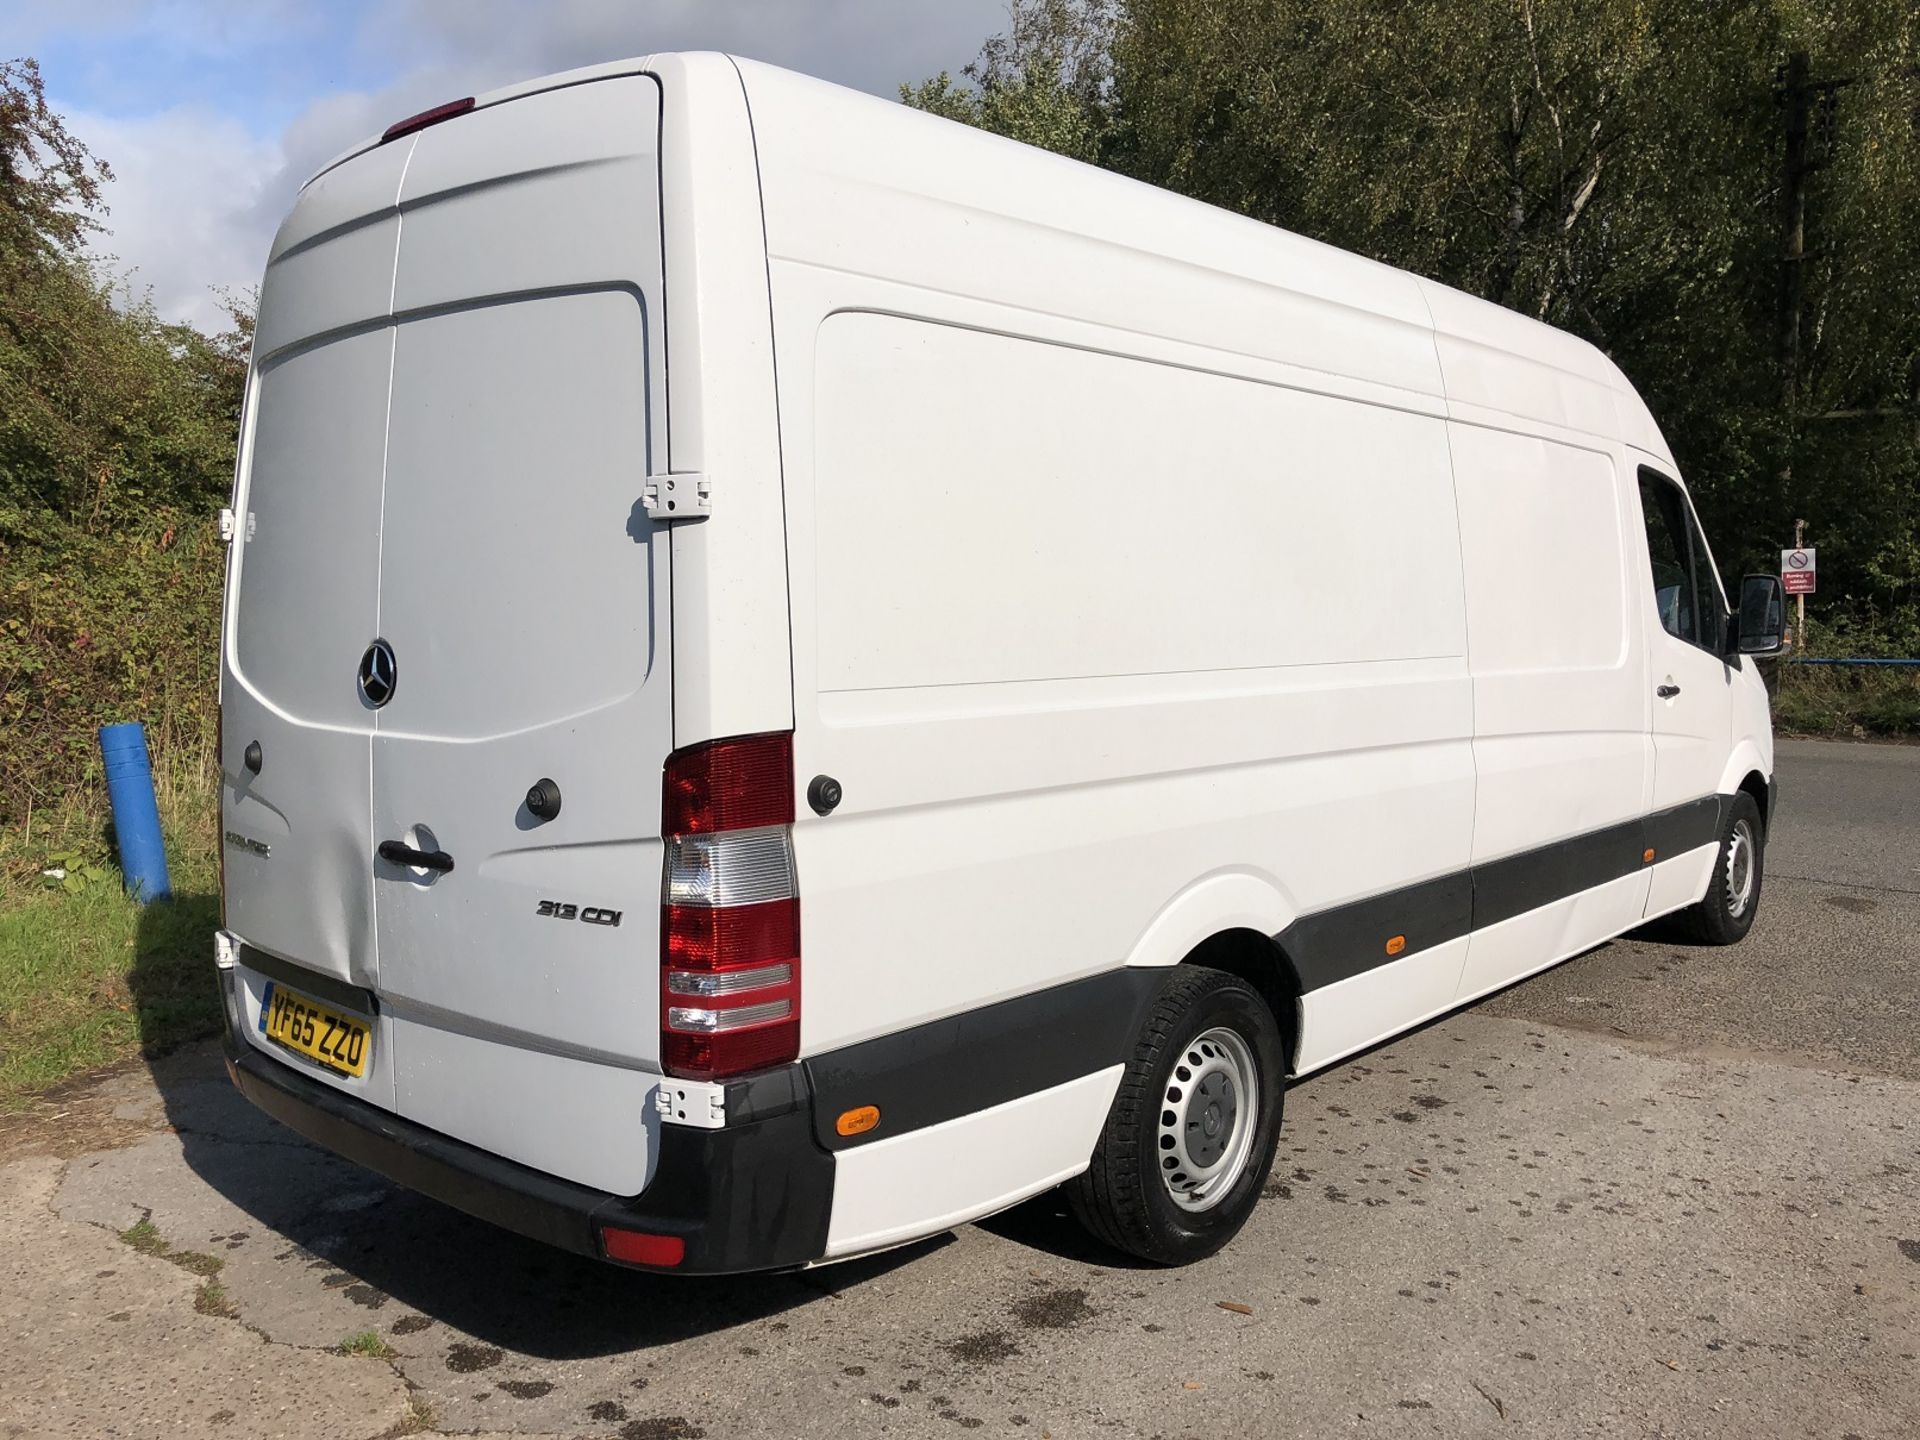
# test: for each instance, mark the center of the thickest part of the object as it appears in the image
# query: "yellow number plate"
(319, 1032)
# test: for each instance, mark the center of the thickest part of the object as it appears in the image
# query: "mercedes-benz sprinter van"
(796, 673)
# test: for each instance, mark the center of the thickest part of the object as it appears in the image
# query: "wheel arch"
(1228, 921)
(1747, 770)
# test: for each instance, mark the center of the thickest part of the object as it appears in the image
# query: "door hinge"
(699, 1103)
(677, 495)
(229, 525)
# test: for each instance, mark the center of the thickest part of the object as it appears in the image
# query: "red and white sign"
(1796, 571)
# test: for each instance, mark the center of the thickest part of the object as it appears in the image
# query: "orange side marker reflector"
(858, 1120)
(1396, 944)
(1647, 858)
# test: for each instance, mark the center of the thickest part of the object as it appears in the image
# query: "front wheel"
(1194, 1125)
(1733, 896)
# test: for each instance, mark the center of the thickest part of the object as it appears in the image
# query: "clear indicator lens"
(727, 982)
(742, 867)
(718, 1022)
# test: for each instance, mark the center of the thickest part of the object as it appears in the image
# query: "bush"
(1847, 700)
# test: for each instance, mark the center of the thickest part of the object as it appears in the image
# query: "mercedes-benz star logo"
(379, 674)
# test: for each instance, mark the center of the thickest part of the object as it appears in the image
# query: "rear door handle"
(401, 853)
(1665, 692)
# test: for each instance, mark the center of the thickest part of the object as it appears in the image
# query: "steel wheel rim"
(1208, 1115)
(1740, 869)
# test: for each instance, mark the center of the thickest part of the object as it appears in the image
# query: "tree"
(49, 181)
(116, 448)
(1044, 82)
(1619, 170)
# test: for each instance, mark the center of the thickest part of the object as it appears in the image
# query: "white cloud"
(869, 44)
(197, 199)
(181, 203)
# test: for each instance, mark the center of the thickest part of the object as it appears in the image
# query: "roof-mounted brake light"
(426, 118)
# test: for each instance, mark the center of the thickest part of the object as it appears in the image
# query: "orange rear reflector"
(1396, 944)
(858, 1121)
(1647, 858)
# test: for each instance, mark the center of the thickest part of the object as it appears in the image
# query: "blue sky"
(212, 112)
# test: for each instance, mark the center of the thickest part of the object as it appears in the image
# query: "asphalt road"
(1662, 1190)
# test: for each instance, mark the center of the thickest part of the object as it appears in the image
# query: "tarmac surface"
(1660, 1190)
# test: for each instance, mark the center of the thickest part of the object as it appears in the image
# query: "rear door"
(524, 595)
(304, 577)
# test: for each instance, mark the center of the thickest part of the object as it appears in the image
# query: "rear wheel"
(1733, 896)
(1194, 1125)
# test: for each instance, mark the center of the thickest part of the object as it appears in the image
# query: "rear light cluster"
(730, 911)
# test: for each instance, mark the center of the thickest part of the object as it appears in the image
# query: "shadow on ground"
(388, 1247)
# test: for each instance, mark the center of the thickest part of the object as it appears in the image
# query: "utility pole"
(1800, 601)
(1797, 94)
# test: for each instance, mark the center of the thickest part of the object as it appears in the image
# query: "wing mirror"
(1758, 628)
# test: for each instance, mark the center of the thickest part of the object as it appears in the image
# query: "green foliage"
(116, 449)
(74, 871)
(1043, 82)
(1618, 170)
(1857, 702)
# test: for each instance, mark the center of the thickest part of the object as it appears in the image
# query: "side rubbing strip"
(1686, 827)
(983, 1057)
(1348, 940)
(1515, 884)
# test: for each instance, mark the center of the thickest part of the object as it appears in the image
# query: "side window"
(1670, 547)
(1691, 605)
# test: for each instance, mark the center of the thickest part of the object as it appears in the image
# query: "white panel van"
(796, 673)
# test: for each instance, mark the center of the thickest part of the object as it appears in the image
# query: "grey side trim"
(1347, 940)
(981, 1058)
(1350, 939)
(1515, 884)
(1687, 827)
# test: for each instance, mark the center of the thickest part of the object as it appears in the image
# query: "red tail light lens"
(737, 784)
(730, 912)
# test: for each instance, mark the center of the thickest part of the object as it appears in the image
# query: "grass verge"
(1848, 702)
(88, 977)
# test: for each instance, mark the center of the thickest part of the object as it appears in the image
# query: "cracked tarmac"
(1662, 1190)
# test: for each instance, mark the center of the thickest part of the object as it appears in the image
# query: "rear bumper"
(753, 1196)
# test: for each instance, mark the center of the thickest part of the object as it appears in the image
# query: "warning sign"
(1796, 571)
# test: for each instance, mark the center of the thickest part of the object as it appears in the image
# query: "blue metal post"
(136, 818)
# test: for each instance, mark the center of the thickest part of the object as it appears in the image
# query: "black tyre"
(1726, 913)
(1193, 1129)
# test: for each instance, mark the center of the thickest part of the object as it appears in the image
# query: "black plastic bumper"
(753, 1196)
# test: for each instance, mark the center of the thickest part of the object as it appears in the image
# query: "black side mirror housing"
(1759, 626)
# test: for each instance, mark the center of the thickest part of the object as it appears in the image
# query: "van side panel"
(959, 1170)
(1099, 590)
(994, 510)
(1063, 657)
